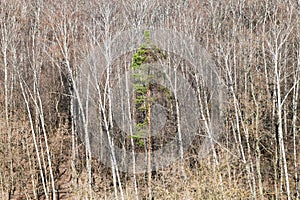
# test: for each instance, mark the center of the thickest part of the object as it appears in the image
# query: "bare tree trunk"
(4, 41)
(131, 135)
(37, 98)
(277, 74)
(294, 123)
(26, 99)
(149, 138)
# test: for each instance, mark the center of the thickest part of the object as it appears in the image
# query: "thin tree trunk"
(25, 96)
(149, 137)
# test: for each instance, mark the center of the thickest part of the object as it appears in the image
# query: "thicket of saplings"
(255, 46)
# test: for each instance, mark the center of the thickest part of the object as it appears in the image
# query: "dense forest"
(174, 99)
